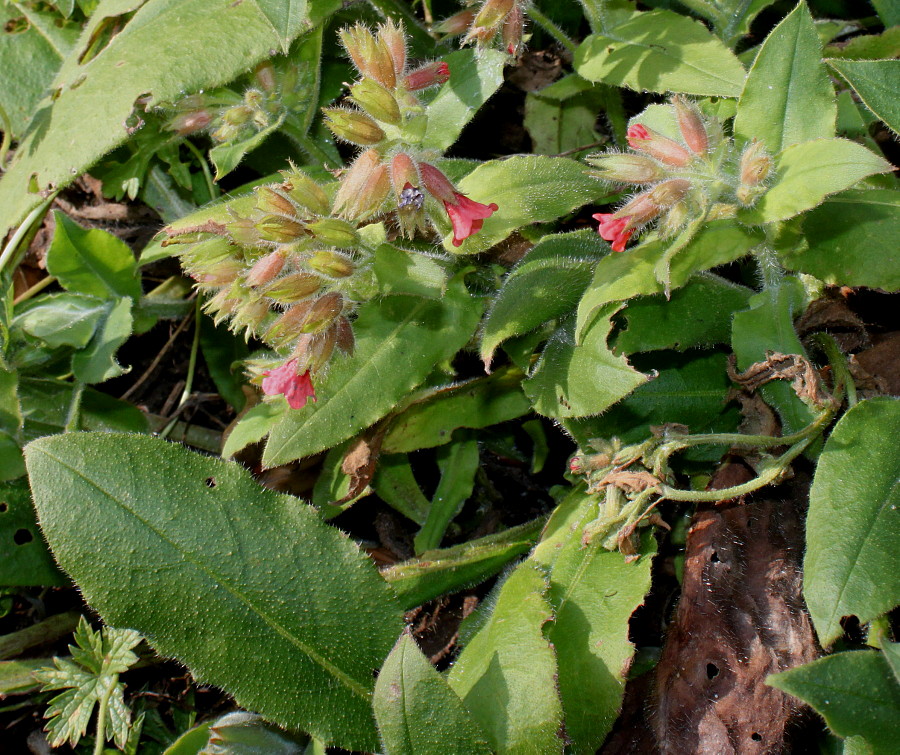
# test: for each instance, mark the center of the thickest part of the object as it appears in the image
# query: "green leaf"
(852, 547)
(699, 314)
(417, 712)
(868, 47)
(855, 692)
(396, 485)
(62, 319)
(290, 18)
(578, 380)
(474, 77)
(892, 656)
(97, 362)
(191, 742)
(465, 565)
(254, 425)
(788, 97)
(402, 272)
(476, 403)
(623, 276)
(458, 463)
(562, 116)
(809, 172)
(506, 673)
(92, 262)
(17, 677)
(11, 463)
(193, 47)
(34, 50)
(851, 240)
(399, 339)
(593, 592)
(226, 157)
(661, 51)
(875, 81)
(202, 561)
(551, 277)
(24, 558)
(92, 674)
(768, 325)
(888, 11)
(243, 733)
(527, 189)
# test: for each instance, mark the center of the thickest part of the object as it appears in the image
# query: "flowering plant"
(498, 333)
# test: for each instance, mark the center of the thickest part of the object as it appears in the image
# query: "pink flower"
(614, 229)
(427, 76)
(635, 133)
(297, 389)
(467, 216)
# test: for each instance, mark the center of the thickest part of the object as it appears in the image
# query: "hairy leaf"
(852, 544)
(875, 81)
(205, 563)
(24, 558)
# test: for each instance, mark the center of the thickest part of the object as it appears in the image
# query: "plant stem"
(10, 249)
(192, 368)
(838, 362)
(542, 20)
(770, 270)
(100, 739)
(74, 414)
(204, 166)
(35, 289)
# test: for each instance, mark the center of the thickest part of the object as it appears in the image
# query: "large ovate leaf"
(473, 79)
(208, 565)
(661, 51)
(788, 97)
(563, 116)
(194, 46)
(505, 675)
(593, 592)
(855, 692)
(580, 379)
(417, 712)
(875, 81)
(527, 189)
(399, 339)
(618, 277)
(810, 171)
(551, 277)
(62, 319)
(853, 527)
(851, 240)
(97, 361)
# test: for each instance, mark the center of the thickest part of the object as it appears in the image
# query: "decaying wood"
(740, 618)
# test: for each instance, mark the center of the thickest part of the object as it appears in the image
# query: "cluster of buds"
(291, 275)
(388, 122)
(680, 179)
(502, 20)
(230, 117)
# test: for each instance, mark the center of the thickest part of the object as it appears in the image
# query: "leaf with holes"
(24, 558)
(205, 563)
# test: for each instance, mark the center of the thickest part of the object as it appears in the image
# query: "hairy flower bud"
(669, 192)
(334, 232)
(691, 126)
(333, 264)
(280, 230)
(755, 164)
(270, 199)
(364, 188)
(404, 176)
(426, 76)
(237, 115)
(353, 126)
(437, 184)
(513, 30)
(376, 101)
(242, 230)
(293, 288)
(656, 145)
(371, 55)
(626, 168)
(189, 123)
(265, 76)
(265, 269)
(304, 191)
(456, 24)
(394, 40)
(250, 314)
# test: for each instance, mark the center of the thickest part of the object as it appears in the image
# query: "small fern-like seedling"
(90, 677)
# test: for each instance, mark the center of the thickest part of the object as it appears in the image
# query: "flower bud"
(265, 269)
(222, 304)
(353, 126)
(376, 101)
(404, 176)
(437, 184)
(280, 230)
(250, 314)
(369, 54)
(669, 192)
(394, 40)
(305, 192)
(270, 199)
(243, 231)
(691, 126)
(222, 272)
(755, 164)
(627, 168)
(513, 30)
(330, 263)
(426, 76)
(293, 288)
(344, 337)
(656, 145)
(456, 24)
(493, 12)
(189, 123)
(237, 115)
(265, 76)
(355, 182)
(334, 232)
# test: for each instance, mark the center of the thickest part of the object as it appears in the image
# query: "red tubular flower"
(467, 216)
(428, 75)
(636, 134)
(614, 229)
(665, 150)
(297, 389)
